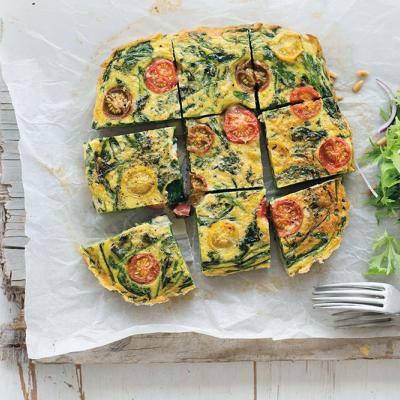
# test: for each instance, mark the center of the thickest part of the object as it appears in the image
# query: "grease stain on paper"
(59, 174)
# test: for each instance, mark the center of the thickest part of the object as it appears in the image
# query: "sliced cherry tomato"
(262, 209)
(160, 76)
(240, 125)
(200, 139)
(287, 216)
(197, 183)
(249, 76)
(182, 210)
(287, 46)
(334, 154)
(304, 93)
(245, 76)
(139, 180)
(263, 75)
(223, 234)
(143, 268)
(309, 102)
(117, 102)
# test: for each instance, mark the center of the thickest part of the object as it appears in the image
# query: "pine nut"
(332, 75)
(339, 98)
(362, 73)
(357, 86)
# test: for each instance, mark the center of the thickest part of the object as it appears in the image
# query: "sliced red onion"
(371, 189)
(383, 128)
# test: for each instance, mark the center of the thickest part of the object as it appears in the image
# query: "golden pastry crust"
(226, 165)
(207, 60)
(294, 144)
(126, 68)
(134, 170)
(109, 261)
(233, 232)
(293, 59)
(316, 229)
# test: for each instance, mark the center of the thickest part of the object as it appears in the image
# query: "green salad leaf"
(386, 258)
(386, 248)
(388, 159)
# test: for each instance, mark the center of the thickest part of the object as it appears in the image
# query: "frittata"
(138, 83)
(135, 170)
(211, 63)
(307, 141)
(292, 66)
(233, 232)
(143, 264)
(310, 223)
(224, 150)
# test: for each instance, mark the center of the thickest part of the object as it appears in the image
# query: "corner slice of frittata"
(224, 151)
(307, 141)
(142, 264)
(134, 170)
(294, 64)
(138, 83)
(212, 65)
(310, 223)
(233, 232)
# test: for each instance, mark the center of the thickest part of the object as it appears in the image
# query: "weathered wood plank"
(328, 380)
(193, 347)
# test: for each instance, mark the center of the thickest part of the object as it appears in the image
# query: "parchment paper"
(51, 52)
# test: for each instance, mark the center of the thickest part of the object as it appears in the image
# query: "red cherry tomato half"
(143, 268)
(161, 76)
(182, 210)
(240, 125)
(309, 102)
(262, 209)
(334, 154)
(304, 93)
(287, 216)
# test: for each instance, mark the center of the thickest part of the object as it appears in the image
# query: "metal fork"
(360, 304)
(355, 319)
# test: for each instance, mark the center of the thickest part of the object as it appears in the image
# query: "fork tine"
(364, 285)
(346, 306)
(363, 317)
(349, 292)
(349, 300)
(368, 323)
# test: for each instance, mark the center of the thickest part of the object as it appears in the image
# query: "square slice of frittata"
(233, 232)
(310, 223)
(290, 66)
(307, 141)
(138, 83)
(211, 62)
(134, 170)
(224, 151)
(142, 264)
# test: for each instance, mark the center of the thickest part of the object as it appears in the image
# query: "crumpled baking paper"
(50, 54)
